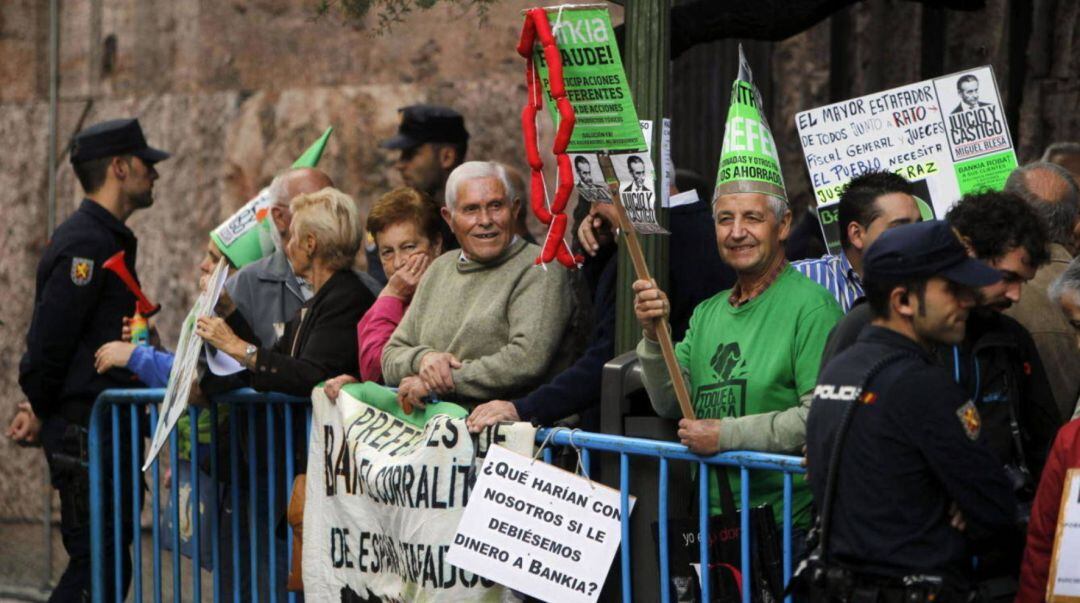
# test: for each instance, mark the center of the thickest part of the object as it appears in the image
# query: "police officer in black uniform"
(78, 306)
(905, 490)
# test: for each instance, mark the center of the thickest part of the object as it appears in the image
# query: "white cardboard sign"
(1064, 583)
(538, 529)
(948, 136)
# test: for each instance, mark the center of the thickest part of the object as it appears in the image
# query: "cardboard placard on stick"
(641, 269)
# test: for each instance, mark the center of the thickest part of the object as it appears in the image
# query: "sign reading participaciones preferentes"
(538, 529)
(948, 136)
(606, 122)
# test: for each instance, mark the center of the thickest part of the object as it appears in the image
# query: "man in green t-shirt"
(751, 354)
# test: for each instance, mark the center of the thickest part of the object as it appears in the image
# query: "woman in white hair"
(320, 341)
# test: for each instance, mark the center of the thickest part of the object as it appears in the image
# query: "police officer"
(78, 306)
(905, 489)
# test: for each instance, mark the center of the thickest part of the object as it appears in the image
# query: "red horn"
(142, 305)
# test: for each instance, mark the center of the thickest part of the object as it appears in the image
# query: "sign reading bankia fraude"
(538, 529)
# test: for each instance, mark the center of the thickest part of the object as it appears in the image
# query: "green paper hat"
(248, 235)
(748, 161)
(310, 157)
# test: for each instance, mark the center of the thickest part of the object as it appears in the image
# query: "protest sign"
(667, 170)
(539, 529)
(187, 357)
(636, 192)
(591, 85)
(589, 178)
(606, 121)
(385, 492)
(595, 81)
(1064, 583)
(948, 136)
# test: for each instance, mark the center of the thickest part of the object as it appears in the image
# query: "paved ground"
(22, 565)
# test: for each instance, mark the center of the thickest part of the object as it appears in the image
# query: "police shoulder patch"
(970, 419)
(82, 270)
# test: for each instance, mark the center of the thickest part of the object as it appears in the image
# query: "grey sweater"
(506, 321)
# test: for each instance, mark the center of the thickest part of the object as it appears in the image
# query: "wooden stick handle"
(641, 269)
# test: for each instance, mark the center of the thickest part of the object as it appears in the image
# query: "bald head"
(1065, 154)
(1051, 191)
(287, 186)
(299, 181)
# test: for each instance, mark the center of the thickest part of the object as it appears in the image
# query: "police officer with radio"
(78, 306)
(905, 489)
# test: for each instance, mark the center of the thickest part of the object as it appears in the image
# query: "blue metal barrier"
(668, 451)
(107, 414)
(115, 408)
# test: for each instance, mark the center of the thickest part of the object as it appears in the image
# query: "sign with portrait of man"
(589, 179)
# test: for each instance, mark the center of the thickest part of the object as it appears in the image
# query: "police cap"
(427, 123)
(112, 138)
(923, 250)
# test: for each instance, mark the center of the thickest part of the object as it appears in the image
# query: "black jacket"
(914, 446)
(998, 363)
(318, 343)
(78, 306)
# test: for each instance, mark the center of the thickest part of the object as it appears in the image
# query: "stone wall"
(235, 90)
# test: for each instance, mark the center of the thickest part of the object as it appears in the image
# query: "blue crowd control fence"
(254, 565)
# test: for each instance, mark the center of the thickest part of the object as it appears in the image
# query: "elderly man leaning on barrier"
(485, 323)
(751, 354)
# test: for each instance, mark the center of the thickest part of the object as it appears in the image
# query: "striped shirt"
(834, 272)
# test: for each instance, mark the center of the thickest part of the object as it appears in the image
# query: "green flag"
(748, 160)
(248, 235)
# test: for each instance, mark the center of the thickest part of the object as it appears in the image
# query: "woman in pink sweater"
(405, 225)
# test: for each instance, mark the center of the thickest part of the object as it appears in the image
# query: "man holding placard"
(751, 354)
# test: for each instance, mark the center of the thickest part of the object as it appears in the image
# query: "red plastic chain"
(555, 247)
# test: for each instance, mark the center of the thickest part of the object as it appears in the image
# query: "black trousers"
(66, 451)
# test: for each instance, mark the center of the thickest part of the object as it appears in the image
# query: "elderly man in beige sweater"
(486, 322)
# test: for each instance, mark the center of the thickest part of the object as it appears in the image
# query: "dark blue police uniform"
(912, 447)
(78, 307)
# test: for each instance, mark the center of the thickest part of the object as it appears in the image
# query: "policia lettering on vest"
(905, 488)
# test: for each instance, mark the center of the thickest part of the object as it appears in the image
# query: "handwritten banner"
(539, 529)
(948, 136)
(385, 493)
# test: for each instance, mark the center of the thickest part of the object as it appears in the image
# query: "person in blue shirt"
(869, 205)
(152, 364)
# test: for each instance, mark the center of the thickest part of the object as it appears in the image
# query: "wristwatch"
(249, 354)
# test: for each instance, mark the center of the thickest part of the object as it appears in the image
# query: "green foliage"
(387, 13)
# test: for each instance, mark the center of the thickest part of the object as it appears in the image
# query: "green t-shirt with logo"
(760, 358)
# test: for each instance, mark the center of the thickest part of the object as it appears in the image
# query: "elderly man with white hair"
(486, 322)
(751, 354)
(1065, 293)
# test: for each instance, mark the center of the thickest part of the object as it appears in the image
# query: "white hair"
(1066, 284)
(475, 170)
(779, 207)
(277, 191)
